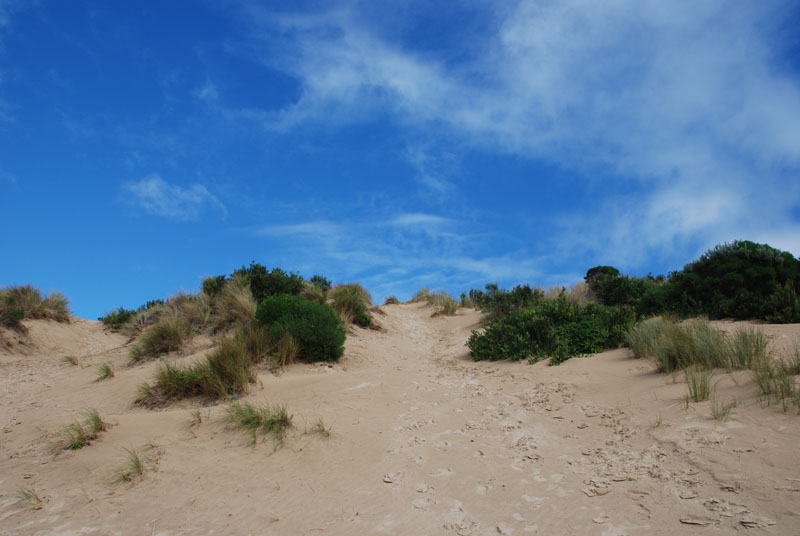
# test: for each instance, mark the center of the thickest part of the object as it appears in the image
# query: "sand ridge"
(424, 441)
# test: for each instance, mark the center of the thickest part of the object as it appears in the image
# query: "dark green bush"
(784, 305)
(315, 327)
(264, 283)
(212, 286)
(323, 283)
(611, 288)
(554, 328)
(498, 302)
(737, 280)
(118, 317)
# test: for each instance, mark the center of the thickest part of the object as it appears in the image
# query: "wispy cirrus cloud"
(398, 254)
(159, 198)
(687, 104)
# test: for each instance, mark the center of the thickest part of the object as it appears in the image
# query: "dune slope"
(423, 441)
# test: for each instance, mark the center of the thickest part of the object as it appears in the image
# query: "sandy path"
(424, 442)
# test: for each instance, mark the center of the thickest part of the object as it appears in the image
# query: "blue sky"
(440, 144)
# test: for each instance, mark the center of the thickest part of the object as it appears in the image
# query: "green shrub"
(554, 328)
(737, 280)
(784, 305)
(264, 283)
(212, 286)
(322, 283)
(351, 302)
(118, 318)
(391, 300)
(498, 303)
(315, 327)
(611, 288)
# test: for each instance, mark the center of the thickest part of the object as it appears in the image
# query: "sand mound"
(423, 441)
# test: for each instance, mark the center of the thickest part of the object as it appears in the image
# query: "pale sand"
(424, 442)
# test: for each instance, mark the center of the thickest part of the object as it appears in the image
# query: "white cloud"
(159, 198)
(684, 100)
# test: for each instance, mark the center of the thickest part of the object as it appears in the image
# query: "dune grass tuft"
(166, 335)
(698, 379)
(104, 372)
(81, 433)
(421, 295)
(30, 496)
(273, 420)
(25, 301)
(133, 467)
(351, 302)
(70, 360)
(719, 410)
(391, 300)
(443, 303)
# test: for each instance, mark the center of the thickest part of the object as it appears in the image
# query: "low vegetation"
(18, 303)
(30, 496)
(270, 420)
(104, 372)
(135, 464)
(317, 330)
(697, 347)
(351, 302)
(391, 300)
(443, 303)
(80, 433)
(556, 328)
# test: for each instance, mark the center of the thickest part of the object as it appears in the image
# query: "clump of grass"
(319, 428)
(104, 372)
(273, 420)
(314, 293)
(133, 467)
(25, 301)
(421, 295)
(30, 496)
(443, 303)
(70, 360)
(643, 338)
(351, 302)
(698, 379)
(656, 423)
(719, 410)
(748, 347)
(226, 371)
(675, 346)
(236, 304)
(391, 300)
(287, 350)
(80, 434)
(166, 335)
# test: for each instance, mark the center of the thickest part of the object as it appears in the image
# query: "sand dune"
(423, 441)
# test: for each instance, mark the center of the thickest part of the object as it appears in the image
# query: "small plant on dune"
(698, 380)
(80, 433)
(352, 302)
(319, 428)
(391, 300)
(792, 361)
(104, 372)
(443, 304)
(132, 468)
(70, 360)
(272, 420)
(166, 335)
(466, 301)
(658, 422)
(719, 410)
(421, 295)
(30, 496)
(213, 285)
(748, 346)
